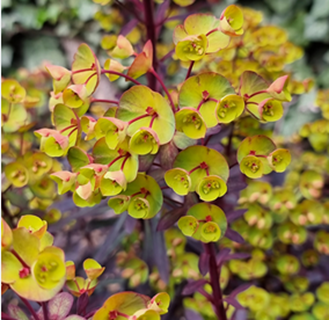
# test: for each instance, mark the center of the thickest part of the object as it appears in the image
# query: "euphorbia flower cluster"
(182, 153)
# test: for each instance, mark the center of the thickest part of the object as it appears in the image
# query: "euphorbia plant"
(182, 150)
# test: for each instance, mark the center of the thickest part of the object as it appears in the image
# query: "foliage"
(220, 212)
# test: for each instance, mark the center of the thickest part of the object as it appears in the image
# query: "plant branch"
(151, 35)
(168, 55)
(124, 7)
(32, 311)
(165, 89)
(45, 311)
(78, 127)
(121, 75)
(214, 282)
(256, 93)
(105, 101)
(189, 70)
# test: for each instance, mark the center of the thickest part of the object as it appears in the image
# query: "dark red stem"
(138, 118)
(200, 105)
(32, 311)
(92, 75)
(67, 128)
(214, 282)
(189, 70)
(45, 311)
(164, 88)
(104, 100)
(76, 128)
(196, 168)
(115, 160)
(122, 75)
(168, 55)
(257, 93)
(20, 259)
(211, 31)
(82, 70)
(251, 102)
(150, 30)
(152, 120)
(124, 161)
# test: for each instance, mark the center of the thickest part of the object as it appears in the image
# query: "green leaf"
(63, 117)
(190, 121)
(204, 159)
(17, 174)
(12, 91)
(211, 187)
(279, 159)
(113, 183)
(192, 48)
(179, 180)
(188, 225)
(252, 167)
(145, 188)
(65, 181)
(139, 101)
(85, 67)
(77, 158)
(124, 302)
(119, 203)
(144, 141)
(231, 21)
(92, 268)
(230, 108)
(60, 75)
(203, 91)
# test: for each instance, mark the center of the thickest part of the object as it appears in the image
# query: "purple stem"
(45, 310)
(32, 311)
(189, 70)
(214, 282)
(150, 30)
(122, 75)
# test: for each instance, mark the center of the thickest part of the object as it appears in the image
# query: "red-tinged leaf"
(60, 306)
(234, 303)
(278, 89)
(170, 218)
(168, 153)
(240, 289)
(142, 62)
(82, 303)
(192, 315)
(234, 236)
(220, 258)
(145, 162)
(193, 286)
(204, 263)
(233, 215)
(16, 312)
